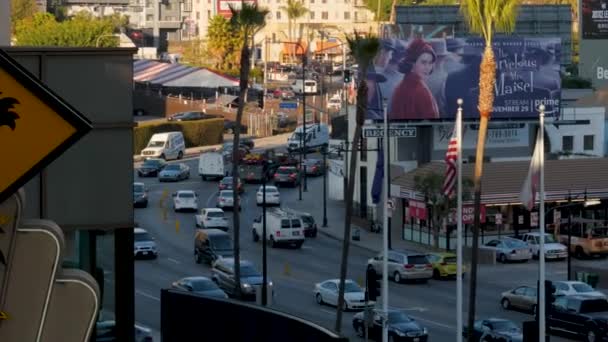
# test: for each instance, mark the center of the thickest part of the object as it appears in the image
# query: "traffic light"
(347, 76)
(261, 100)
(373, 284)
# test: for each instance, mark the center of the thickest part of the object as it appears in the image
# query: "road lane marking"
(149, 296)
(174, 261)
(433, 322)
(328, 312)
(210, 198)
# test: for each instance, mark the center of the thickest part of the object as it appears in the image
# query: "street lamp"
(264, 258)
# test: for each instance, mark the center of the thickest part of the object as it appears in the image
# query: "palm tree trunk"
(487, 80)
(243, 84)
(361, 109)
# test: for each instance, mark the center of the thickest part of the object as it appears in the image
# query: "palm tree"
(249, 19)
(484, 18)
(295, 9)
(363, 49)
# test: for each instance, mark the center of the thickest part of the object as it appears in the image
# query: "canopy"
(179, 75)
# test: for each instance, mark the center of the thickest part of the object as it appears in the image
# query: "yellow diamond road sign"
(36, 126)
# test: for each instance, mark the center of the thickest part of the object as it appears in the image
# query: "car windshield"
(203, 285)
(226, 193)
(514, 243)
(268, 189)
(151, 163)
(505, 326)
(550, 239)
(138, 188)
(594, 305)
(221, 243)
(398, 317)
(249, 271)
(172, 167)
(582, 288)
(417, 259)
(156, 143)
(308, 219)
(351, 287)
(145, 236)
(227, 180)
(215, 214)
(186, 195)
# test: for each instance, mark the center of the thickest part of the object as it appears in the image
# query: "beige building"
(326, 23)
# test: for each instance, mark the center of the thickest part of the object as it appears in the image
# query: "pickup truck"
(553, 249)
(211, 218)
(581, 315)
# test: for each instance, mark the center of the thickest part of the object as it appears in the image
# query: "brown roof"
(502, 181)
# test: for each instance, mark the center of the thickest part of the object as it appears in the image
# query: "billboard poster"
(421, 79)
(500, 135)
(594, 18)
(223, 6)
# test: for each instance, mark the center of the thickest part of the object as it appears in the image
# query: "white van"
(310, 86)
(211, 165)
(281, 228)
(317, 135)
(169, 145)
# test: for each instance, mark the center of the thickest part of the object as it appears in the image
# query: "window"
(356, 15)
(324, 15)
(208, 13)
(278, 16)
(588, 142)
(324, 1)
(312, 15)
(170, 18)
(346, 15)
(168, 6)
(149, 17)
(198, 15)
(567, 143)
(312, 1)
(148, 3)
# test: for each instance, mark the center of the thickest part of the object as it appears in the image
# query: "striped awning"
(178, 75)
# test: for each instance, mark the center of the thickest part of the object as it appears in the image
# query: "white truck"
(308, 86)
(281, 228)
(553, 249)
(212, 165)
(317, 135)
(211, 218)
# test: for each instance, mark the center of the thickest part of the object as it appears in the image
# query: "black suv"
(585, 316)
(151, 167)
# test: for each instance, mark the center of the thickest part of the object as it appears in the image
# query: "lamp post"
(264, 258)
(325, 186)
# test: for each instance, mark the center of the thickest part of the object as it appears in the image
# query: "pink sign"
(468, 214)
(417, 209)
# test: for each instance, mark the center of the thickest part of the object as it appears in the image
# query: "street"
(294, 272)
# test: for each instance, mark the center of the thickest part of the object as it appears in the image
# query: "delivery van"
(169, 145)
(317, 136)
(211, 165)
(310, 86)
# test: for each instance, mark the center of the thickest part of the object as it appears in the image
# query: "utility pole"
(156, 28)
(264, 258)
(325, 186)
(569, 236)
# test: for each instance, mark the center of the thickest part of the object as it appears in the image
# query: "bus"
(589, 237)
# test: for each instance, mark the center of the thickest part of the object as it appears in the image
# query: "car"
(553, 249)
(509, 249)
(401, 327)
(522, 297)
(403, 265)
(225, 199)
(566, 288)
(227, 150)
(211, 218)
(495, 329)
(151, 167)
(144, 244)
(140, 195)
(105, 331)
(310, 226)
(272, 195)
(282, 228)
(585, 316)
(199, 285)
(444, 265)
(174, 172)
(289, 175)
(226, 184)
(247, 141)
(326, 292)
(284, 93)
(185, 200)
(211, 245)
(314, 167)
(223, 275)
(187, 116)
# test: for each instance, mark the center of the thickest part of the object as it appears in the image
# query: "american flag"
(451, 156)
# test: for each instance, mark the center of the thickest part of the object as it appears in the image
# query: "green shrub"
(196, 133)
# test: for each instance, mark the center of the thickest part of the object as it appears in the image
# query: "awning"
(327, 47)
(204, 78)
(502, 181)
(291, 48)
(179, 75)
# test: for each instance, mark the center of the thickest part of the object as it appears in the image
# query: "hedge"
(196, 133)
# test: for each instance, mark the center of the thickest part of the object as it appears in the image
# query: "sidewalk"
(266, 142)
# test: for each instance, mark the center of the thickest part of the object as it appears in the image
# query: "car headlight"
(424, 331)
(269, 283)
(246, 286)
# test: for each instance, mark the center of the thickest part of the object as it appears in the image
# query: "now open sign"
(468, 214)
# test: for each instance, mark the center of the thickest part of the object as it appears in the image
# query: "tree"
(363, 49)
(295, 9)
(22, 9)
(431, 185)
(224, 43)
(248, 20)
(82, 30)
(484, 18)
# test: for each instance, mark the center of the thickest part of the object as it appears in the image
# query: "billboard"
(421, 79)
(593, 63)
(223, 6)
(500, 135)
(594, 16)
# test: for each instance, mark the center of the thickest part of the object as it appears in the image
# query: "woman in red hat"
(412, 99)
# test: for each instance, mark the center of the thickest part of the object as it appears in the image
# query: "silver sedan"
(508, 249)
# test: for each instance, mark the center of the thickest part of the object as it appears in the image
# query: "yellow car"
(444, 265)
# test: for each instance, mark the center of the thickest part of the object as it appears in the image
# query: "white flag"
(532, 182)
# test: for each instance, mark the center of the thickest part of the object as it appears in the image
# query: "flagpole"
(385, 235)
(541, 210)
(459, 223)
